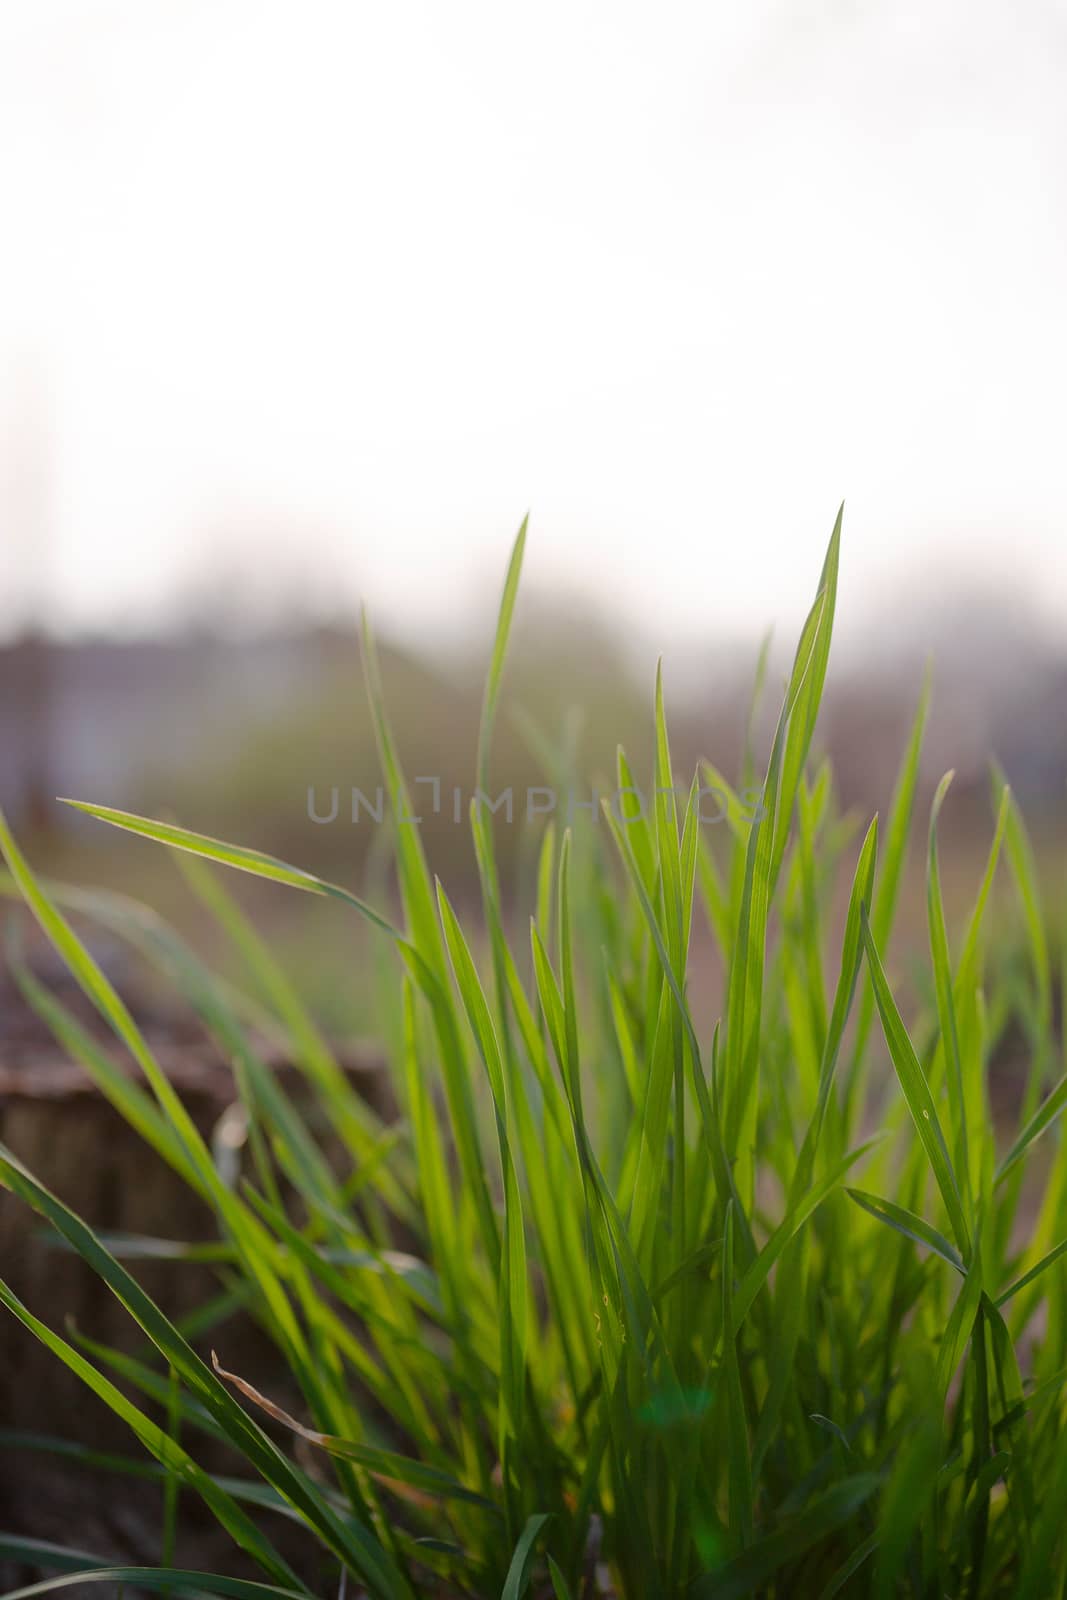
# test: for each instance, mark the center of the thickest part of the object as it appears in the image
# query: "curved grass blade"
(1043, 1118)
(518, 1579)
(168, 1580)
(397, 1470)
(806, 708)
(1035, 1272)
(44, 1553)
(944, 989)
(907, 1223)
(917, 1095)
(240, 857)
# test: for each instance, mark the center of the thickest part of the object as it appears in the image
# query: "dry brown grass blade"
(324, 1441)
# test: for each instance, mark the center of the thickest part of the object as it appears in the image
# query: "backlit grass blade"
(806, 707)
(424, 954)
(943, 986)
(431, 1161)
(1034, 1272)
(851, 960)
(496, 661)
(967, 972)
(415, 884)
(711, 1121)
(1024, 871)
(908, 1224)
(1045, 1115)
(633, 816)
(513, 1311)
(882, 908)
(917, 1095)
(624, 1293)
(744, 1001)
(239, 857)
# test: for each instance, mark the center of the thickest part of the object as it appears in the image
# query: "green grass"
(617, 1301)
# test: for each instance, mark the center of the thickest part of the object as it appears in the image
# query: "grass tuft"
(620, 1303)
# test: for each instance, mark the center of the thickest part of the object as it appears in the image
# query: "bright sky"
(338, 290)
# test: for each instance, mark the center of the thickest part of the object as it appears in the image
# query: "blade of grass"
(917, 1095)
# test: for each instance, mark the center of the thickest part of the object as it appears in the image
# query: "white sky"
(338, 290)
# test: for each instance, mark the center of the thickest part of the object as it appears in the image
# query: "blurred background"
(303, 307)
